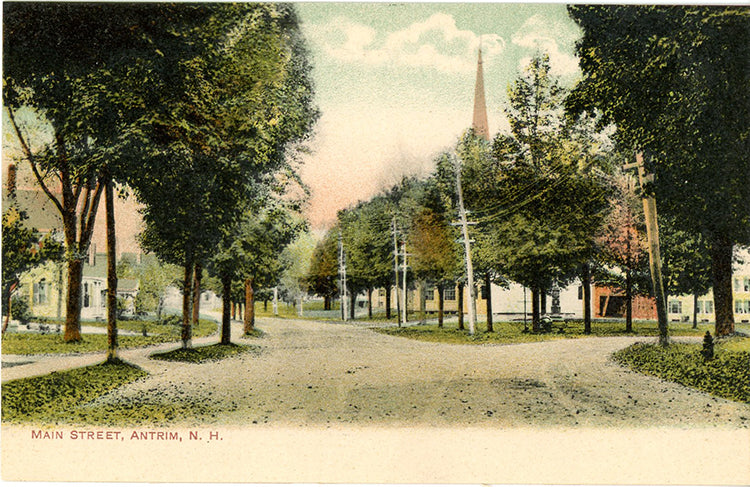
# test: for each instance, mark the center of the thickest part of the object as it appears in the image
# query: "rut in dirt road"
(314, 373)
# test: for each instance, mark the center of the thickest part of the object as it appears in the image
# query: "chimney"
(11, 183)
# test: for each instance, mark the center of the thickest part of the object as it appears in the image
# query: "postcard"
(389, 243)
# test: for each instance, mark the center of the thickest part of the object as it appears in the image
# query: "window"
(449, 293)
(705, 307)
(86, 296)
(742, 306)
(742, 284)
(484, 291)
(429, 292)
(580, 293)
(41, 290)
(675, 307)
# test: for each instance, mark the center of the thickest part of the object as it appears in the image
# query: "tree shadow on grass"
(209, 353)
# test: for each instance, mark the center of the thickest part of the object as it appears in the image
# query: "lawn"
(513, 332)
(727, 375)
(50, 398)
(35, 343)
(210, 353)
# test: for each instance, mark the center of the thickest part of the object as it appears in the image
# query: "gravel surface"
(315, 373)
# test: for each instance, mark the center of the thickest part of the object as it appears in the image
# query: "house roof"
(41, 212)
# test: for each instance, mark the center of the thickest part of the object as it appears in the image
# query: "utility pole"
(395, 270)
(654, 257)
(342, 280)
(405, 266)
(467, 248)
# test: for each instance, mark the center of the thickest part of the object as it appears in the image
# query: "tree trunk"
(388, 302)
(187, 300)
(111, 274)
(695, 310)
(265, 305)
(249, 306)
(369, 303)
(352, 304)
(628, 301)
(535, 309)
(73, 300)
(542, 302)
(233, 309)
(460, 306)
(226, 304)
(197, 277)
(7, 292)
(441, 306)
(586, 285)
(488, 283)
(721, 270)
(422, 303)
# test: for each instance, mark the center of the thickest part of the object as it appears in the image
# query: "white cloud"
(436, 43)
(538, 34)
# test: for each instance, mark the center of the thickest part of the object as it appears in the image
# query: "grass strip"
(727, 375)
(254, 333)
(513, 332)
(36, 343)
(209, 353)
(49, 398)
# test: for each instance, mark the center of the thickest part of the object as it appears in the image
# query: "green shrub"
(727, 375)
(20, 309)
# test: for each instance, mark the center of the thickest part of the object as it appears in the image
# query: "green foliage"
(322, 277)
(368, 242)
(49, 398)
(673, 79)
(210, 353)
(154, 277)
(727, 375)
(686, 260)
(19, 307)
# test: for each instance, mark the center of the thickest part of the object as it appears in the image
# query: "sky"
(395, 85)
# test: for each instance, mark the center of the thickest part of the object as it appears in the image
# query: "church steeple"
(479, 123)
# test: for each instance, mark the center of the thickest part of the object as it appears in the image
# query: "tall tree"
(435, 253)
(622, 252)
(69, 65)
(224, 126)
(674, 79)
(322, 276)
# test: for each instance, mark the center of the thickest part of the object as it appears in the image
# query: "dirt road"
(313, 373)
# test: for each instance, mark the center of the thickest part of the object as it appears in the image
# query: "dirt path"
(313, 373)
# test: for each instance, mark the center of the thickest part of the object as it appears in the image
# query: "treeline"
(550, 199)
(196, 110)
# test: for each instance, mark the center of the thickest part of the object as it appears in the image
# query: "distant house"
(507, 302)
(45, 289)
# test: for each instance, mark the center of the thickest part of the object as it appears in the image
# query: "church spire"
(479, 123)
